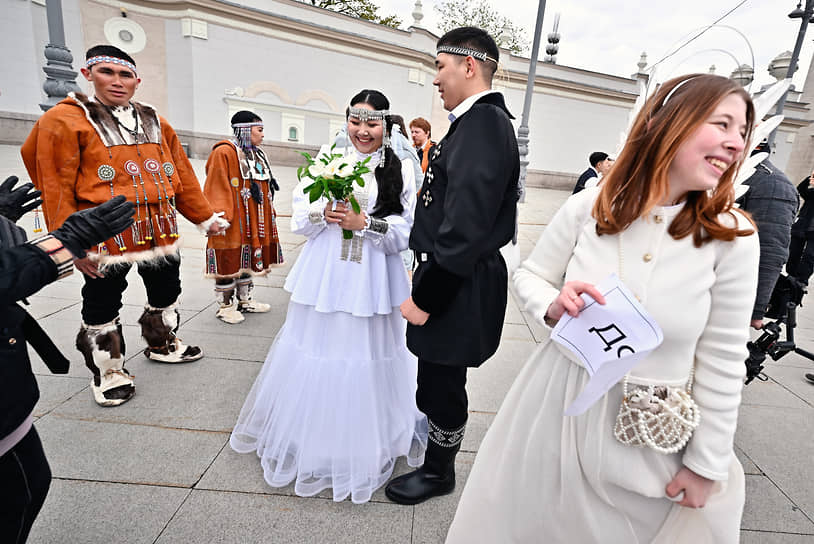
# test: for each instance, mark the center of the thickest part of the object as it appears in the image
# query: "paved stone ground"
(159, 469)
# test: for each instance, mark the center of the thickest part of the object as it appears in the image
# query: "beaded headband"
(104, 58)
(464, 52)
(365, 115)
(251, 124)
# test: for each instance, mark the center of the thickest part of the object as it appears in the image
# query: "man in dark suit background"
(600, 164)
(466, 212)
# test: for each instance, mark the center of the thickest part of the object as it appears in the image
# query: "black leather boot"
(436, 477)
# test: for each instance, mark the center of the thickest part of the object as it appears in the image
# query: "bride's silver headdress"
(364, 115)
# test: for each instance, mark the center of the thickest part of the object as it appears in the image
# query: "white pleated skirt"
(540, 476)
(334, 404)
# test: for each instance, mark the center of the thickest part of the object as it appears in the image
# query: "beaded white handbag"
(660, 417)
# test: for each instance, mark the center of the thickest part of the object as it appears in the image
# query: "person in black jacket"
(772, 200)
(600, 164)
(466, 212)
(801, 250)
(24, 269)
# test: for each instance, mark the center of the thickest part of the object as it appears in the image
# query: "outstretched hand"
(14, 203)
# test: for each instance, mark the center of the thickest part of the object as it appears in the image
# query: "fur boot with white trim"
(227, 312)
(103, 349)
(244, 297)
(158, 327)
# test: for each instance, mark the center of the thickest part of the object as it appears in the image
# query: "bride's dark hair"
(388, 176)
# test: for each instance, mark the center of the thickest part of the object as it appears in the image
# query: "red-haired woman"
(662, 221)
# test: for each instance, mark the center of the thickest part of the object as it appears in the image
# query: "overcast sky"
(609, 35)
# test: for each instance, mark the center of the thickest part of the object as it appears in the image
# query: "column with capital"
(61, 78)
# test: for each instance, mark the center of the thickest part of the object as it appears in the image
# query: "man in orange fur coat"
(81, 153)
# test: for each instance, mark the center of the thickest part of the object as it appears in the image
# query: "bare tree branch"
(363, 9)
(456, 13)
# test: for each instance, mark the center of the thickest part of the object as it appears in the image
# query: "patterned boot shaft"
(102, 347)
(158, 327)
(245, 286)
(227, 303)
(437, 476)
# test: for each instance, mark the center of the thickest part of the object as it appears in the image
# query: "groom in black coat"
(466, 212)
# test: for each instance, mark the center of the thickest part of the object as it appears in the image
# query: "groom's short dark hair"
(477, 39)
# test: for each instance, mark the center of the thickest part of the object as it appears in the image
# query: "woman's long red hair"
(638, 180)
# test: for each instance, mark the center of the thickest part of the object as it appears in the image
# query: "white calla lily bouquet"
(334, 175)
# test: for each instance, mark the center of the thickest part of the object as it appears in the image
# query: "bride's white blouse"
(321, 278)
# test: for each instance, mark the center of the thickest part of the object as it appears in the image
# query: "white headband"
(251, 124)
(674, 89)
(104, 58)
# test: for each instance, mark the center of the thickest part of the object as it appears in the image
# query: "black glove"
(257, 195)
(14, 204)
(10, 234)
(86, 228)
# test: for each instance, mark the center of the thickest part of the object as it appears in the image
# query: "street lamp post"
(805, 15)
(61, 79)
(523, 129)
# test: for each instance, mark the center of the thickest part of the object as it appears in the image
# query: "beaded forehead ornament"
(104, 58)
(464, 52)
(244, 125)
(365, 115)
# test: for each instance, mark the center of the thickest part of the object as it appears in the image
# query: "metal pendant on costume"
(437, 151)
(154, 167)
(169, 171)
(245, 194)
(132, 168)
(426, 196)
(138, 235)
(106, 173)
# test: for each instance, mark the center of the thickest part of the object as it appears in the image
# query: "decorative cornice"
(244, 18)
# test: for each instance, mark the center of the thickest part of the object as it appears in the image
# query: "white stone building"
(297, 66)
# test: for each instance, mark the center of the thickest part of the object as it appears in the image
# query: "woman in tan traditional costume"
(239, 181)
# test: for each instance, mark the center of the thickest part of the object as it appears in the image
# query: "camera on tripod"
(787, 295)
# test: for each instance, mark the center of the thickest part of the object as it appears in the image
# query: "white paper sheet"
(609, 339)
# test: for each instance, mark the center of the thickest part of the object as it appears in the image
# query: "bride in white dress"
(334, 404)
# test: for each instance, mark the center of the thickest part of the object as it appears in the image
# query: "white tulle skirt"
(334, 404)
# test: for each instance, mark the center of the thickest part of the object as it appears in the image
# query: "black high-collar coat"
(466, 211)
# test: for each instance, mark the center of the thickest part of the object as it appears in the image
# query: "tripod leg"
(807, 354)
